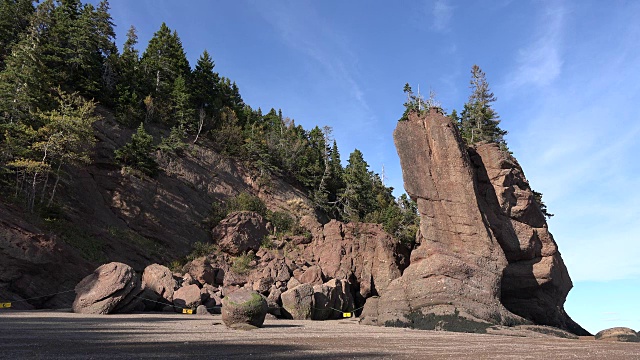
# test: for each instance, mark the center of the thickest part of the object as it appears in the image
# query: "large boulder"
(455, 273)
(240, 232)
(622, 334)
(535, 282)
(244, 309)
(202, 271)
(111, 288)
(159, 285)
(298, 302)
(187, 297)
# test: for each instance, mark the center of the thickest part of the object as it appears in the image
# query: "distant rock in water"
(482, 259)
(622, 334)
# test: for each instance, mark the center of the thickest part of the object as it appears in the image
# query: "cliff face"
(536, 282)
(485, 255)
(112, 215)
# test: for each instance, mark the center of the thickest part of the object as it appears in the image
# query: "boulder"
(202, 271)
(244, 309)
(453, 280)
(159, 285)
(273, 301)
(313, 275)
(331, 300)
(111, 288)
(187, 297)
(298, 302)
(240, 232)
(622, 334)
(202, 310)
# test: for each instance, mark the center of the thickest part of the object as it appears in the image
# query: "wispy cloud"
(303, 29)
(442, 12)
(540, 62)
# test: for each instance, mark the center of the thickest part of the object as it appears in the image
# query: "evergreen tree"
(204, 87)
(137, 153)
(14, 19)
(478, 121)
(162, 63)
(129, 107)
(357, 199)
(26, 79)
(183, 114)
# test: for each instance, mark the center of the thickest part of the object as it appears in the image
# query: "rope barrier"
(6, 305)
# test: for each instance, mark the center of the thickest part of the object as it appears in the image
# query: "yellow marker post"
(347, 315)
(5, 305)
(187, 311)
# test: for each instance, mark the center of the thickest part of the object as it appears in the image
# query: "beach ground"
(65, 335)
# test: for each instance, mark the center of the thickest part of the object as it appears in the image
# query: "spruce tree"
(129, 107)
(162, 63)
(14, 19)
(479, 122)
(204, 87)
(357, 198)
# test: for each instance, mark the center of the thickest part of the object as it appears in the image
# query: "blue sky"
(566, 74)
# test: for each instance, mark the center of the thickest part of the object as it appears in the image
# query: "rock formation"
(536, 282)
(485, 256)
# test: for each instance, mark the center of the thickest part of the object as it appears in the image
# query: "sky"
(566, 75)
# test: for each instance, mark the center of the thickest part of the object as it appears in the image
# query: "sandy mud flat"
(64, 335)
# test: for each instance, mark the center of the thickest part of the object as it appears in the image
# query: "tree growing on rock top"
(478, 120)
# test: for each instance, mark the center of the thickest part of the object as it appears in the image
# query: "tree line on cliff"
(59, 61)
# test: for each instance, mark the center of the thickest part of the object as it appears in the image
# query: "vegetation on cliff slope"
(58, 59)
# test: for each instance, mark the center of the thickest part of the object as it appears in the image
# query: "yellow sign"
(187, 311)
(5, 305)
(347, 315)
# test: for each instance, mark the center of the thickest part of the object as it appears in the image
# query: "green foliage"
(174, 143)
(37, 148)
(14, 19)
(163, 62)
(200, 249)
(90, 247)
(281, 221)
(243, 263)
(267, 243)
(537, 196)
(137, 153)
(246, 202)
(129, 107)
(478, 121)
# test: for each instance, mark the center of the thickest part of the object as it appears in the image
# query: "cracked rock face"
(485, 256)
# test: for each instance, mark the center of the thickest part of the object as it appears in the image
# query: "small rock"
(202, 310)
